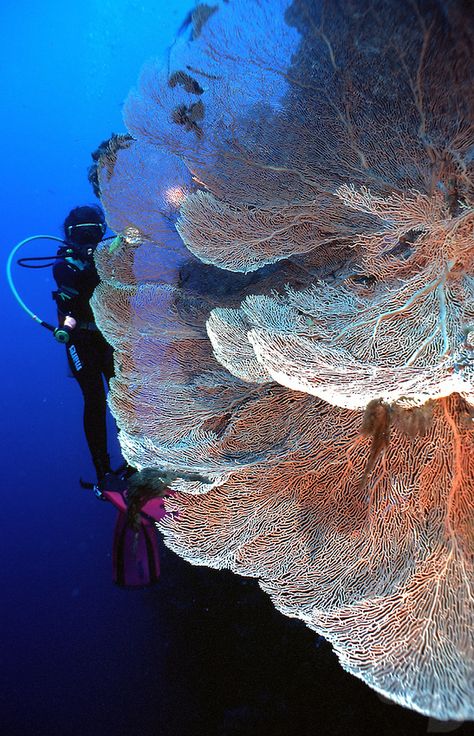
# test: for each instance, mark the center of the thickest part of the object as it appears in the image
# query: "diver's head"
(84, 228)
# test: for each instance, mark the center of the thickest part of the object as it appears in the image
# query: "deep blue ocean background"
(203, 652)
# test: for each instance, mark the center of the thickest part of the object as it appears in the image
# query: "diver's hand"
(63, 333)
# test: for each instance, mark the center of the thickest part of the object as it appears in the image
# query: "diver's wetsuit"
(89, 356)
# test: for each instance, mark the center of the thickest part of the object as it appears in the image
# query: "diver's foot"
(113, 481)
(125, 470)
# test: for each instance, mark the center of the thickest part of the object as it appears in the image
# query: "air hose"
(12, 286)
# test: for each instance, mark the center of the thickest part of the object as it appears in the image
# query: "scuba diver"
(137, 496)
(89, 356)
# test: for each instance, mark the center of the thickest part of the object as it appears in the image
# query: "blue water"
(76, 651)
(203, 652)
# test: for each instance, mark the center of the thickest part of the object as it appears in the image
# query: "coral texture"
(291, 301)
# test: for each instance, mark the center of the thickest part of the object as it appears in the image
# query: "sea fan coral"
(291, 306)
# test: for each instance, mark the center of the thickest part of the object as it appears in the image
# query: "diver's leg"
(83, 362)
(95, 428)
(107, 361)
(108, 371)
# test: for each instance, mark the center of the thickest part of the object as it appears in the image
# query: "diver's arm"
(66, 298)
(67, 295)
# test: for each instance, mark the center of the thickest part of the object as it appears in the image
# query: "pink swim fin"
(135, 555)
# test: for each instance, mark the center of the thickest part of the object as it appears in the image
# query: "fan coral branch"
(317, 159)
